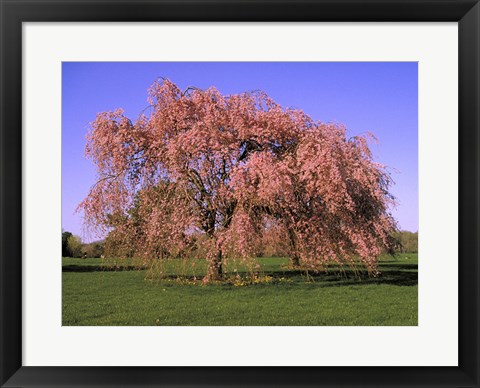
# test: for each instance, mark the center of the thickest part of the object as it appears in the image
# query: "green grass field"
(103, 293)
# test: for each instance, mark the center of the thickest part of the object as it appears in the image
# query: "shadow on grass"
(100, 268)
(408, 267)
(392, 274)
(322, 279)
(404, 275)
(396, 278)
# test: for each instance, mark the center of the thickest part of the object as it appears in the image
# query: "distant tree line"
(272, 245)
(407, 242)
(72, 246)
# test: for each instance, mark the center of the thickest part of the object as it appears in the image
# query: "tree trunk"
(215, 267)
(294, 256)
(295, 259)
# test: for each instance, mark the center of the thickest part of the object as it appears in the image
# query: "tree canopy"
(209, 173)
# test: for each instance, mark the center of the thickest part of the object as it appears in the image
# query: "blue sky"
(377, 97)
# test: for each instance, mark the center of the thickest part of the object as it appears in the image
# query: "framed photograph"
(240, 193)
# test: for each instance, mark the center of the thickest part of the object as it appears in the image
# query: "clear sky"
(377, 97)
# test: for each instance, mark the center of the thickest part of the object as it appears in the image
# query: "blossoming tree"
(207, 172)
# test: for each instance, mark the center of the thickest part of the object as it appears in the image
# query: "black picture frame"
(14, 12)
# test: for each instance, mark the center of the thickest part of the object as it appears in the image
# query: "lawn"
(106, 293)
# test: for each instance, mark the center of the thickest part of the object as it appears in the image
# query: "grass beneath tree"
(102, 293)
